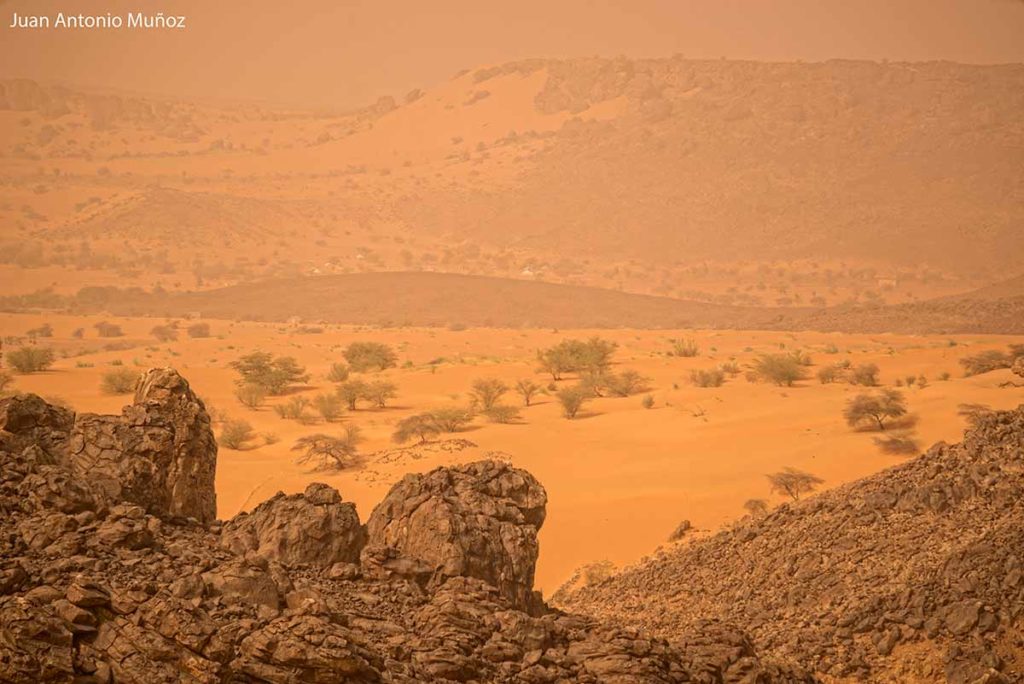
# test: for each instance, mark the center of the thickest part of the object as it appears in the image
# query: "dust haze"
(604, 342)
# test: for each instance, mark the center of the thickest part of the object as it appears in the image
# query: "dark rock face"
(913, 574)
(112, 572)
(477, 520)
(313, 528)
(160, 453)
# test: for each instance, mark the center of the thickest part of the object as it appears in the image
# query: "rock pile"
(113, 569)
(914, 574)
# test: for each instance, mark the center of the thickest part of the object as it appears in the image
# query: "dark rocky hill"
(913, 574)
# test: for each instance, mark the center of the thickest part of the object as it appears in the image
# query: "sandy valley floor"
(619, 478)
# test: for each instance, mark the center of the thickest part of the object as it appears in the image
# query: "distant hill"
(446, 299)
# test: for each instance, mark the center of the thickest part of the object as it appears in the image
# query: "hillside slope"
(913, 574)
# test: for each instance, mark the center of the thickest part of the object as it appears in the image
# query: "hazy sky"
(348, 52)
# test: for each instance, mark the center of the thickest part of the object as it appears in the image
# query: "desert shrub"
(793, 483)
(6, 380)
(329, 406)
(899, 444)
(685, 348)
(572, 400)
(501, 413)
(293, 409)
(379, 392)
(594, 382)
(922, 382)
(452, 418)
(350, 392)
(421, 425)
(647, 402)
(865, 374)
(829, 374)
(370, 356)
(576, 356)
(270, 438)
(875, 410)
(756, 507)
(338, 373)
(527, 389)
(830, 348)
(251, 395)
(78, 333)
(118, 381)
(944, 376)
(235, 434)
(627, 383)
(330, 452)
(781, 369)
(713, 377)
(198, 330)
(985, 362)
(729, 368)
(487, 391)
(30, 359)
(107, 329)
(275, 375)
(802, 357)
(44, 330)
(164, 333)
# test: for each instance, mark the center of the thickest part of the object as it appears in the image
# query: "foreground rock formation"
(112, 569)
(914, 574)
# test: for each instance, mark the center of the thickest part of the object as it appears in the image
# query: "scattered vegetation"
(107, 329)
(329, 452)
(865, 374)
(30, 359)
(251, 395)
(781, 369)
(486, 393)
(713, 377)
(364, 357)
(527, 389)
(501, 413)
(274, 375)
(235, 434)
(875, 409)
(338, 373)
(164, 333)
(422, 426)
(685, 348)
(572, 400)
(329, 406)
(756, 507)
(198, 330)
(793, 483)
(576, 356)
(118, 381)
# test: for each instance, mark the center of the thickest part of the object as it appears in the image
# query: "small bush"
(118, 381)
(251, 395)
(685, 348)
(865, 374)
(235, 434)
(500, 413)
(452, 418)
(198, 330)
(293, 409)
(829, 374)
(338, 373)
(627, 383)
(487, 392)
(527, 389)
(30, 359)
(713, 377)
(572, 400)
(164, 333)
(782, 369)
(106, 329)
(985, 362)
(379, 392)
(329, 406)
(647, 402)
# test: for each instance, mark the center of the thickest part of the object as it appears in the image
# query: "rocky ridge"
(913, 574)
(112, 569)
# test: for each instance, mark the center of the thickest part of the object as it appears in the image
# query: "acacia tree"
(451, 418)
(351, 392)
(379, 391)
(793, 482)
(875, 409)
(329, 452)
(370, 356)
(275, 375)
(782, 369)
(527, 389)
(421, 425)
(487, 391)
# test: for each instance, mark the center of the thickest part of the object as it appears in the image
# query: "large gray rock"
(477, 520)
(313, 528)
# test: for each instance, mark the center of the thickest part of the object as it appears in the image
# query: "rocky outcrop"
(913, 574)
(477, 520)
(114, 574)
(312, 528)
(160, 453)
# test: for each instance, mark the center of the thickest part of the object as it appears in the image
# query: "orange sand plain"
(619, 478)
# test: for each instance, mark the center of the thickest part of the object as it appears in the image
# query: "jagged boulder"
(160, 453)
(28, 421)
(476, 520)
(313, 528)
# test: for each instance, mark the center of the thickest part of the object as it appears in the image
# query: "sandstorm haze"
(344, 54)
(668, 297)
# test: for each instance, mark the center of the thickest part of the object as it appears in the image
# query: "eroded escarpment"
(113, 570)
